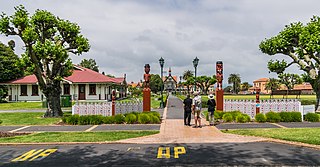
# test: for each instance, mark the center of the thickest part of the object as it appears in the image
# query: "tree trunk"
(318, 100)
(52, 94)
(315, 86)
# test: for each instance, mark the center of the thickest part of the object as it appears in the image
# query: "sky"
(126, 34)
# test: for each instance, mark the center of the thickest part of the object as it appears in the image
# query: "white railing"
(127, 107)
(105, 108)
(92, 108)
(249, 106)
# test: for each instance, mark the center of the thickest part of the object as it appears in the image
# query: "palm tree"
(273, 84)
(235, 80)
(245, 86)
(187, 75)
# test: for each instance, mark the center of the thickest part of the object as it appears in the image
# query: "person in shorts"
(196, 108)
(211, 108)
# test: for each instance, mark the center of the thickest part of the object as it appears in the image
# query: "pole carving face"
(219, 74)
(146, 76)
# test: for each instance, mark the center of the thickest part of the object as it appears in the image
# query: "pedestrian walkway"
(173, 130)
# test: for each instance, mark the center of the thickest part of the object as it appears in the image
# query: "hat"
(211, 96)
(195, 93)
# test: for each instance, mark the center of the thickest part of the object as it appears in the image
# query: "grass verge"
(76, 136)
(32, 118)
(304, 135)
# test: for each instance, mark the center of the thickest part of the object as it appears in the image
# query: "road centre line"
(15, 130)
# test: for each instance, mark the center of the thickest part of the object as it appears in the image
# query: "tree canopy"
(273, 84)
(235, 80)
(290, 80)
(48, 41)
(301, 43)
(156, 83)
(91, 64)
(204, 82)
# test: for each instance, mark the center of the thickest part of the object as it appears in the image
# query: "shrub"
(143, 118)
(235, 114)
(273, 117)
(154, 119)
(260, 118)
(312, 117)
(109, 120)
(130, 118)
(119, 119)
(72, 120)
(0, 122)
(218, 114)
(84, 120)
(155, 114)
(286, 116)
(296, 117)
(95, 119)
(308, 102)
(247, 117)
(227, 117)
(240, 119)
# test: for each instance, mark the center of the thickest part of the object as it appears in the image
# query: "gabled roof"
(79, 75)
(261, 80)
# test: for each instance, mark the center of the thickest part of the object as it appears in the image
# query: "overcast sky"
(125, 35)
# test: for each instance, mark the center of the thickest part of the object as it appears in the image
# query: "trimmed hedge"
(129, 118)
(0, 122)
(312, 117)
(286, 116)
(296, 117)
(260, 118)
(273, 117)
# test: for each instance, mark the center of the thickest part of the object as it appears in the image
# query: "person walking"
(196, 108)
(187, 103)
(211, 108)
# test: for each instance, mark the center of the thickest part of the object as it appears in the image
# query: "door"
(82, 92)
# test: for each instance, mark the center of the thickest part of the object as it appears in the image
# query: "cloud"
(125, 35)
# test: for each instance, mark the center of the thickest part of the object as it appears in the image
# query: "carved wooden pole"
(113, 102)
(257, 100)
(219, 90)
(146, 89)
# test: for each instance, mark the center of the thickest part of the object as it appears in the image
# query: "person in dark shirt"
(187, 110)
(211, 108)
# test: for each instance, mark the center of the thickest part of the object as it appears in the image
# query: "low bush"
(227, 117)
(235, 114)
(119, 118)
(218, 114)
(247, 117)
(260, 118)
(243, 118)
(144, 118)
(72, 120)
(130, 118)
(96, 119)
(109, 120)
(0, 122)
(154, 119)
(155, 114)
(286, 116)
(273, 117)
(296, 117)
(308, 102)
(312, 117)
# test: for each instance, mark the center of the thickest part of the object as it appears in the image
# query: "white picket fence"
(105, 108)
(276, 105)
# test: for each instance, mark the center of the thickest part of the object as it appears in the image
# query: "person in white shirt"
(196, 109)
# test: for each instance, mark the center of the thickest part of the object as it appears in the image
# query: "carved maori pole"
(219, 90)
(146, 89)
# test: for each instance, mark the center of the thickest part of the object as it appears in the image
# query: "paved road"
(149, 155)
(175, 108)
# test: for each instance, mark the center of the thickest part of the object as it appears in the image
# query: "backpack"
(198, 103)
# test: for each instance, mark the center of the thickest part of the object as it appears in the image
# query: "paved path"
(172, 130)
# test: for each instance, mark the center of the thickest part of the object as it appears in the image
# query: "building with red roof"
(83, 84)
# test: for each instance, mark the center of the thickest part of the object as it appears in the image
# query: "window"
(66, 89)
(24, 90)
(35, 91)
(92, 89)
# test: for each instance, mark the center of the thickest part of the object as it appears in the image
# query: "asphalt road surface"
(159, 155)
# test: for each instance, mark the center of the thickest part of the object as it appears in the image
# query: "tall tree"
(290, 80)
(235, 80)
(48, 41)
(245, 86)
(91, 64)
(187, 76)
(273, 84)
(204, 82)
(301, 44)
(9, 67)
(156, 83)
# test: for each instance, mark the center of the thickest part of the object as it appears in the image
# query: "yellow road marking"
(179, 150)
(44, 154)
(34, 154)
(163, 155)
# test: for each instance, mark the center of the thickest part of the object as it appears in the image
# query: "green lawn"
(20, 105)
(304, 135)
(26, 118)
(76, 136)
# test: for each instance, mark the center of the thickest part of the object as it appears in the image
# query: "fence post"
(113, 103)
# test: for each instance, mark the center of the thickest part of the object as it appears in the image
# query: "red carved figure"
(219, 74)
(146, 76)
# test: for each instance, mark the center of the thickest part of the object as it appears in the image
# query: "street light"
(195, 65)
(180, 84)
(161, 61)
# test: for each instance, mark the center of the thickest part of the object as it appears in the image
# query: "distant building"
(170, 82)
